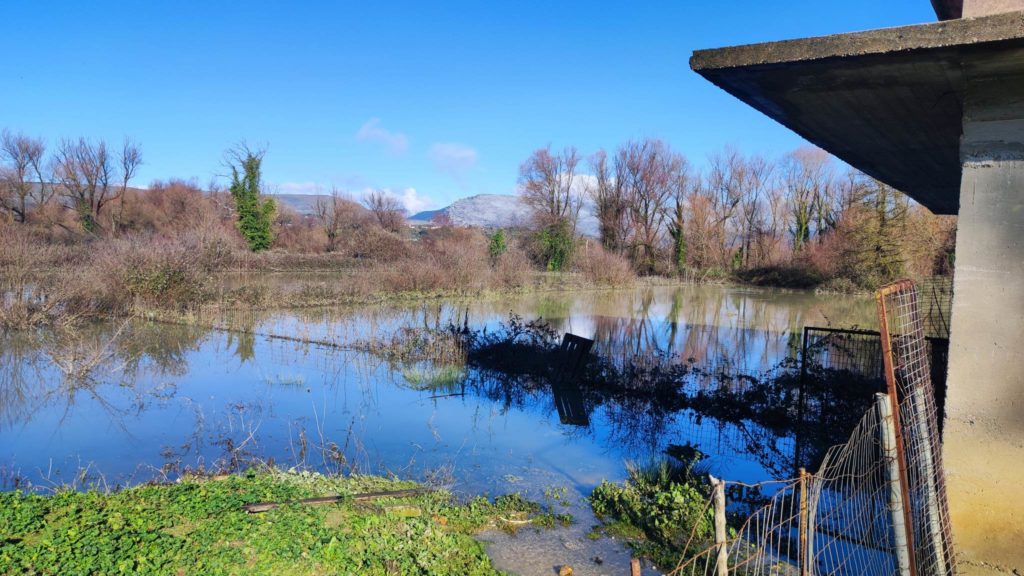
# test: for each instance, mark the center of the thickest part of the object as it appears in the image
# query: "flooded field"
(122, 403)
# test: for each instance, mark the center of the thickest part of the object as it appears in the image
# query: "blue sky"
(433, 100)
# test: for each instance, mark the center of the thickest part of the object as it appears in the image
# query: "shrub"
(512, 270)
(30, 292)
(298, 234)
(657, 508)
(799, 275)
(371, 242)
(154, 272)
(602, 267)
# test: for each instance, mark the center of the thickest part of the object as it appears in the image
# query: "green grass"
(197, 526)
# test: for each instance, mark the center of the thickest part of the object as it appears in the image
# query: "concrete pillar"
(984, 432)
(974, 8)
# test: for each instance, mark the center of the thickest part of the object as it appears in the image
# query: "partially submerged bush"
(411, 345)
(658, 509)
(158, 273)
(31, 291)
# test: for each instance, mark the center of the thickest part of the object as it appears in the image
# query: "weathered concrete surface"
(887, 101)
(950, 9)
(984, 434)
(974, 8)
(885, 41)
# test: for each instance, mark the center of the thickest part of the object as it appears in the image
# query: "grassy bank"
(198, 526)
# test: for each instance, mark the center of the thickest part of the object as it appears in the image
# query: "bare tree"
(130, 160)
(647, 170)
(546, 185)
(90, 178)
(772, 241)
(609, 203)
(724, 188)
(336, 213)
(754, 183)
(808, 178)
(21, 175)
(386, 209)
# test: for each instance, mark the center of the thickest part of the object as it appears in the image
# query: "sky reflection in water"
(166, 397)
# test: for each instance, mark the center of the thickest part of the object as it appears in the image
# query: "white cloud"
(582, 184)
(371, 131)
(411, 200)
(453, 159)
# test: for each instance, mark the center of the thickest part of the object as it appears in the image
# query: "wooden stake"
(266, 506)
(722, 564)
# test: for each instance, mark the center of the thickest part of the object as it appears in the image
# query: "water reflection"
(292, 387)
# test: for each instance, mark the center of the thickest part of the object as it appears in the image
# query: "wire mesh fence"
(834, 522)
(908, 375)
(839, 357)
(876, 505)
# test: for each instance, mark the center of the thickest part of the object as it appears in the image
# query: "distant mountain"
(304, 204)
(426, 216)
(492, 211)
(482, 211)
(488, 211)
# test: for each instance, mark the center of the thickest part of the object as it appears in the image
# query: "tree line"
(802, 215)
(800, 219)
(82, 186)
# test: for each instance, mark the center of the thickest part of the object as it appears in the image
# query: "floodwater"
(124, 403)
(683, 370)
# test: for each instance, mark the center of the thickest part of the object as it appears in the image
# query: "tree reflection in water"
(668, 368)
(646, 392)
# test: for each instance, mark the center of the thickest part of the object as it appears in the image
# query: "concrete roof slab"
(888, 102)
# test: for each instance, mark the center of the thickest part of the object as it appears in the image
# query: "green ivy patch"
(198, 526)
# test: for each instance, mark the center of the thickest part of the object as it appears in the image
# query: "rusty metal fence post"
(918, 443)
(890, 379)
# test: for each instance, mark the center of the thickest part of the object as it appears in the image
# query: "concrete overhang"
(888, 102)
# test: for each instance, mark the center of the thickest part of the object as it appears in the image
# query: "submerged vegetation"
(198, 526)
(641, 392)
(660, 509)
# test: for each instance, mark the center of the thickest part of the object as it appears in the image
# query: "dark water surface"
(124, 403)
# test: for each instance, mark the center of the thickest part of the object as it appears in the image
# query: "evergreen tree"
(676, 229)
(497, 245)
(255, 214)
(873, 251)
(557, 245)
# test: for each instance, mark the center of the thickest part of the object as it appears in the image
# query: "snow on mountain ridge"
(492, 211)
